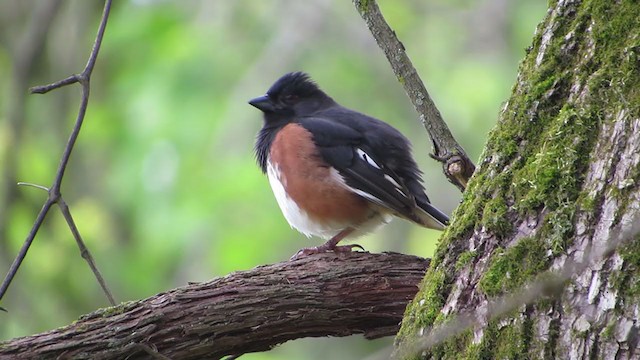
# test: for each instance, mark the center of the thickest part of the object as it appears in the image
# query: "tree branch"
(319, 295)
(24, 61)
(55, 196)
(456, 165)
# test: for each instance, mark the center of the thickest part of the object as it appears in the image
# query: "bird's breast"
(310, 193)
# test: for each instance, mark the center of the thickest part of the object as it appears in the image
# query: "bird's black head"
(294, 94)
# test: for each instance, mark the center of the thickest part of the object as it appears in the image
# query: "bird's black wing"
(362, 170)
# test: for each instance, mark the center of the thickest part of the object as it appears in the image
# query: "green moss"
(363, 6)
(464, 259)
(454, 345)
(424, 309)
(502, 341)
(616, 69)
(472, 351)
(557, 228)
(494, 217)
(554, 334)
(526, 333)
(609, 331)
(587, 202)
(580, 334)
(433, 297)
(508, 344)
(511, 268)
(113, 310)
(468, 213)
(465, 217)
(625, 281)
(552, 176)
(631, 253)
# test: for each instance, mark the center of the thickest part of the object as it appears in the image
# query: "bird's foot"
(325, 248)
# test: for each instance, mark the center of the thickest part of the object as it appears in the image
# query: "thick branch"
(320, 295)
(456, 164)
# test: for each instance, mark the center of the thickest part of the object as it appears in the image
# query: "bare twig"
(84, 252)
(456, 164)
(40, 187)
(43, 89)
(24, 60)
(55, 196)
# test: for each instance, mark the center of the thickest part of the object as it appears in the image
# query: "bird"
(336, 172)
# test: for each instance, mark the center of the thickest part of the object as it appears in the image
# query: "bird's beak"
(263, 103)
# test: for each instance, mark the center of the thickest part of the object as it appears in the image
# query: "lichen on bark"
(559, 177)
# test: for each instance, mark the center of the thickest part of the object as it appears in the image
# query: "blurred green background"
(163, 184)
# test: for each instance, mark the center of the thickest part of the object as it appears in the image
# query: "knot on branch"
(457, 167)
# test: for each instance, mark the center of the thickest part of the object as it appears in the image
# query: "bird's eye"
(290, 99)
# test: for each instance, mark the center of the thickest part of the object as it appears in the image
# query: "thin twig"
(457, 166)
(55, 195)
(43, 89)
(25, 247)
(44, 188)
(24, 61)
(84, 252)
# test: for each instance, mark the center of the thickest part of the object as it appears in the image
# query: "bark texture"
(319, 295)
(557, 185)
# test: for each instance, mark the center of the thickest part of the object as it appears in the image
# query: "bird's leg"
(330, 245)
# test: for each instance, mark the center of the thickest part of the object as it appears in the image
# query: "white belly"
(301, 221)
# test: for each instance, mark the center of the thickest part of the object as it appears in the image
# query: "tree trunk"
(556, 195)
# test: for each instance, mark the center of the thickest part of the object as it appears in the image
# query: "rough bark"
(558, 185)
(319, 295)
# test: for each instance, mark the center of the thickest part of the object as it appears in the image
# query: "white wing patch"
(369, 160)
(364, 156)
(394, 182)
(335, 174)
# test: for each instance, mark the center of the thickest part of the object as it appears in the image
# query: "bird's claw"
(321, 249)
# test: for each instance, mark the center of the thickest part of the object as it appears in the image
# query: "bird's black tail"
(430, 216)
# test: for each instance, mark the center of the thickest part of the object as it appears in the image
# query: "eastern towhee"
(336, 172)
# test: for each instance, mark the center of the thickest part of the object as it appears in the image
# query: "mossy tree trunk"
(558, 183)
